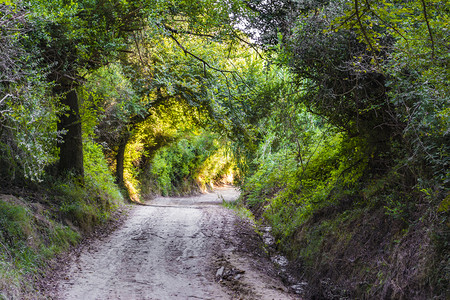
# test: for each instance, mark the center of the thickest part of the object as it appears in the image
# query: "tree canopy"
(331, 116)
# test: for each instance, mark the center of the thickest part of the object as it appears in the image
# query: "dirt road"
(175, 248)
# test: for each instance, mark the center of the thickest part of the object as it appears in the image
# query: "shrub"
(193, 163)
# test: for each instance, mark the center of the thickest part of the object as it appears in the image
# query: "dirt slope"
(175, 248)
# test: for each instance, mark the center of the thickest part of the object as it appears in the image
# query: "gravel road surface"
(175, 248)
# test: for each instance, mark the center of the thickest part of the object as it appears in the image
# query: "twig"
(429, 27)
(387, 24)
(358, 17)
(176, 31)
(253, 46)
(205, 63)
(4, 98)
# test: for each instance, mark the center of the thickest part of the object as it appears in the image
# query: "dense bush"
(191, 164)
(370, 177)
(91, 203)
(27, 111)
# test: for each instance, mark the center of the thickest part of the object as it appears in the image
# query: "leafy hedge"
(191, 164)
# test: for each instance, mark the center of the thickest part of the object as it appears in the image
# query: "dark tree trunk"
(71, 146)
(120, 157)
(125, 136)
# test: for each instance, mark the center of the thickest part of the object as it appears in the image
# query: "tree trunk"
(71, 146)
(120, 157)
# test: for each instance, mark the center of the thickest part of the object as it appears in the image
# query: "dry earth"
(175, 248)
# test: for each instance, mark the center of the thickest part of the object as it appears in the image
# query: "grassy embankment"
(354, 231)
(41, 220)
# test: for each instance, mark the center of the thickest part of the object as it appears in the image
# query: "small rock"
(237, 277)
(219, 272)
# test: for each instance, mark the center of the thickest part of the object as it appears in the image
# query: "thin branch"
(138, 49)
(125, 51)
(365, 33)
(253, 46)
(176, 31)
(424, 6)
(205, 63)
(314, 152)
(299, 147)
(4, 98)
(386, 23)
(345, 20)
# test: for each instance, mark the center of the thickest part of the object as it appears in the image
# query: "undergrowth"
(240, 209)
(29, 237)
(355, 232)
(37, 226)
(193, 163)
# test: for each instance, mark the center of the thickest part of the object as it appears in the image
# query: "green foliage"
(241, 210)
(165, 124)
(98, 178)
(30, 235)
(133, 154)
(16, 223)
(109, 103)
(192, 162)
(216, 169)
(86, 33)
(29, 135)
(376, 73)
(52, 47)
(348, 116)
(88, 205)
(290, 194)
(403, 47)
(27, 111)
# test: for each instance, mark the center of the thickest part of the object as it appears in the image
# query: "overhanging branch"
(204, 62)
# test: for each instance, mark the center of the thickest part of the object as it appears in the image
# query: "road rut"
(172, 248)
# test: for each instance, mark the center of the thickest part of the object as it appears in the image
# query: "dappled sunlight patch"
(133, 153)
(133, 192)
(194, 162)
(217, 169)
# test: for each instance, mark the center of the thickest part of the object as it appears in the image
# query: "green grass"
(35, 229)
(239, 208)
(27, 240)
